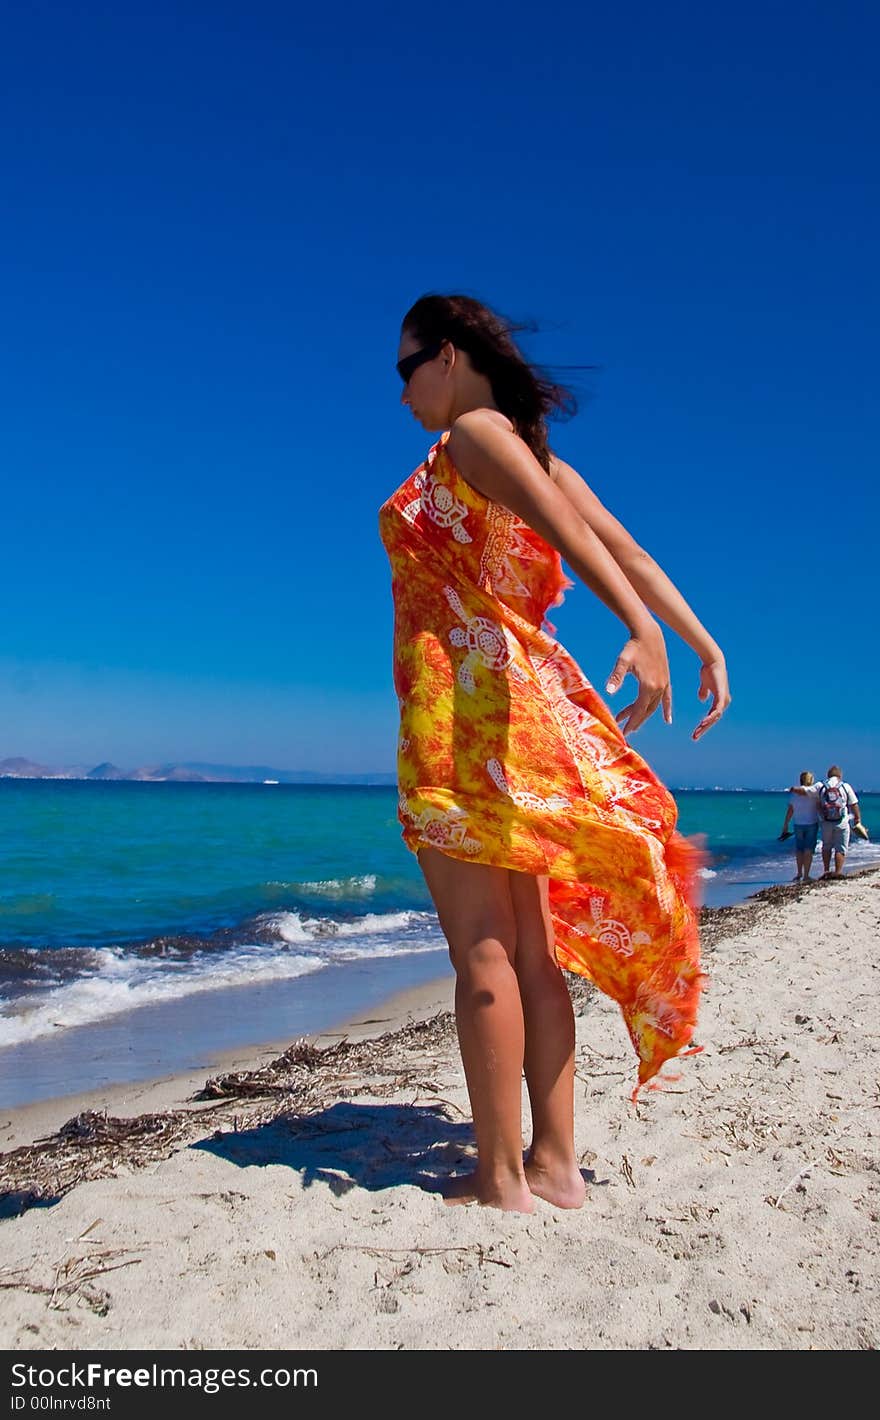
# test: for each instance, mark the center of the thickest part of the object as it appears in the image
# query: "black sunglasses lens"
(407, 367)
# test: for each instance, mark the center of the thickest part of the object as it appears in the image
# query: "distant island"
(18, 768)
(198, 773)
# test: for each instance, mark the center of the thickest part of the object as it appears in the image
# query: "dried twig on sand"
(477, 1248)
(792, 1181)
(71, 1278)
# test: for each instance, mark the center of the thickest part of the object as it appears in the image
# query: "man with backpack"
(835, 799)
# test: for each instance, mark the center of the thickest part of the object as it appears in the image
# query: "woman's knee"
(490, 946)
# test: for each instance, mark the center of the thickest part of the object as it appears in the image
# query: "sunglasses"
(407, 367)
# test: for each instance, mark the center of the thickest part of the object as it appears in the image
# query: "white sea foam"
(127, 983)
(124, 981)
(295, 928)
(360, 886)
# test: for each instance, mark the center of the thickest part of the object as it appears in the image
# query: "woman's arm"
(656, 590)
(495, 460)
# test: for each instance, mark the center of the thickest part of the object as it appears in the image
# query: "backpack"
(832, 802)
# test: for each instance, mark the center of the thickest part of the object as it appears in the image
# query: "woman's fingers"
(716, 710)
(638, 712)
(645, 659)
(713, 681)
(708, 721)
(622, 668)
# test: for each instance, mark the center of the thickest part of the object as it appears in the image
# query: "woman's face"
(429, 390)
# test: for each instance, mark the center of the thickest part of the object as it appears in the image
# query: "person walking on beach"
(544, 839)
(804, 809)
(836, 800)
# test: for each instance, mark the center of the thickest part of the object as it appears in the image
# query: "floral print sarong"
(508, 756)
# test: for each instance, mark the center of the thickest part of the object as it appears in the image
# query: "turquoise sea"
(143, 924)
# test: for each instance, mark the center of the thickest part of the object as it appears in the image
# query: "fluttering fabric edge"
(659, 1009)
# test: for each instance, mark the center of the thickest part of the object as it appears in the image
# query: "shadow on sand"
(369, 1146)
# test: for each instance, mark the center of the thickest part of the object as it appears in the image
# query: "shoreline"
(188, 1033)
(291, 1202)
(90, 1032)
(21, 1123)
(24, 1123)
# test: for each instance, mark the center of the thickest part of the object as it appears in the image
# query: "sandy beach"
(290, 1203)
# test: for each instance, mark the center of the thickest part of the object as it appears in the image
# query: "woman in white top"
(803, 807)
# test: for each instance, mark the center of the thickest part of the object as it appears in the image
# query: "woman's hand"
(713, 681)
(643, 656)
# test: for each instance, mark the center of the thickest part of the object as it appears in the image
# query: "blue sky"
(215, 217)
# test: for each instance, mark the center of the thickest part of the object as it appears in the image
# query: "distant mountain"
(190, 773)
(168, 773)
(24, 769)
(106, 771)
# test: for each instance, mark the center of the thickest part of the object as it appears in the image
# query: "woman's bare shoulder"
(489, 454)
(481, 439)
(474, 419)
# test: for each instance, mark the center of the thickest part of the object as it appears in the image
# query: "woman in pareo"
(544, 839)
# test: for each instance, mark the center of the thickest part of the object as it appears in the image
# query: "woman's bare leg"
(551, 1164)
(474, 907)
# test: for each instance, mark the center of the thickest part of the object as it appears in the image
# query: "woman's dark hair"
(522, 391)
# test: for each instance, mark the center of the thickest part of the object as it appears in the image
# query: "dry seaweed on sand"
(304, 1078)
(304, 1069)
(88, 1146)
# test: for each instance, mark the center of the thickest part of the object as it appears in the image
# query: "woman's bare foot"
(511, 1195)
(561, 1184)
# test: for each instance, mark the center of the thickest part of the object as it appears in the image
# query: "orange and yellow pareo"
(508, 756)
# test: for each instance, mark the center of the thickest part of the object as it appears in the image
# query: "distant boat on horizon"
(270, 781)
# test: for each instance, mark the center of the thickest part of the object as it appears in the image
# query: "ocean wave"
(113, 980)
(22, 968)
(295, 928)
(128, 984)
(362, 885)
